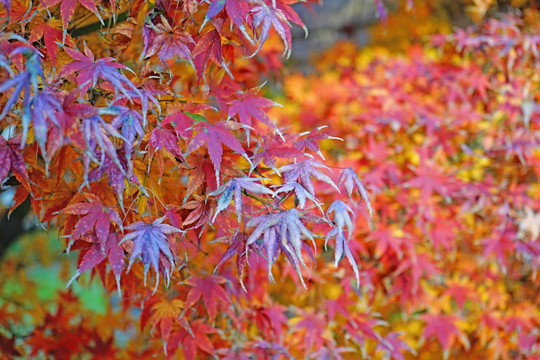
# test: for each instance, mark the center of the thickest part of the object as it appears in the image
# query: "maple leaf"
(461, 292)
(209, 288)
(150, 241)
(131, 123)
(96, 131)
(143, 95)
(102, 349)
(166, 140)
(90, 70)
(394, 346)
(350, 180)
(45, 106)
(165, 313)
(98, 251)
(181, 123)
(237, 246)
(270, 320)
(200, 214)
(202, 173)
(52, 36)
(312, 327)
(281, 232)
(342, 218)
(265, 17)
(11, 159)
(193, 340)
(444, 328)
(24, 82)
(429, 179)
(500, 244)
(214, 137)
(209, 48)
(94, 215)
(330, 353)
(443, 235)
(310, 142)
(166, 41)
(7, 345)
(117, 177)
(300, 192)
(251, 106)
(237, 11)
(269, 148)
(388, 239)
(305, 170)
(362, 326)
(67, 8)
(234, 188)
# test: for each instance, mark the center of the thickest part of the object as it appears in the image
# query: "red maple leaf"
(194, 340)
(97, 252)
(94, 215)
(51, 37)
(443, 327)
(209, 288)
(238, 247)
(251, 106)
(271, 148)
(201, 211)
(214, 137)
(11, 159)
(270, 320)
(166, 140)
(68, 7)
(209, 48)
(166, 41)
(313, 327)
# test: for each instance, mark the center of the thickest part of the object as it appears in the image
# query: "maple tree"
(135, 151)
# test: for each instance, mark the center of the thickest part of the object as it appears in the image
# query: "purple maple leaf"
(305, 170)
(24, 83)
(131, 124)
(281, 232)
(116, 176)
(235, 187)
(342, 219)
(300, 192)
(45, 107)
(96, 132)
(166, 41)
(311, 140)
(265, 16)
(150, 242)
(351, 180)
(90, 70)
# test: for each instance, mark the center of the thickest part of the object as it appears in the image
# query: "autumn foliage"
(385, 205)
